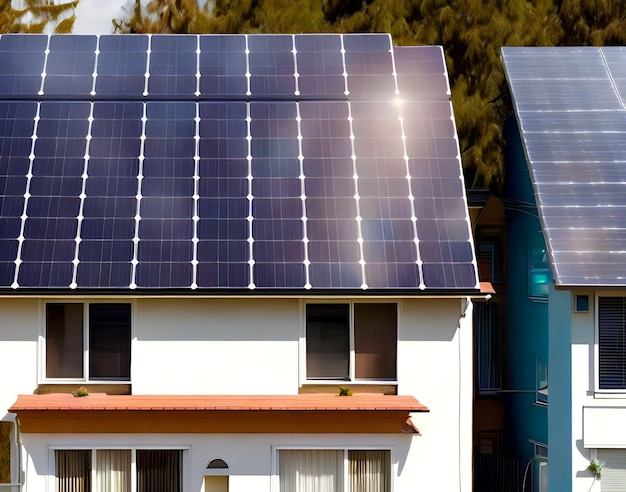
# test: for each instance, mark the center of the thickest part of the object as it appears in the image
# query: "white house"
(214, 236)
(569, 104)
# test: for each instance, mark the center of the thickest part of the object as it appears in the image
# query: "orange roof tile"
(487, 288)
(301, 402)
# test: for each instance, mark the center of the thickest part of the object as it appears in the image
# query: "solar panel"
(570, 107)
(241, 162)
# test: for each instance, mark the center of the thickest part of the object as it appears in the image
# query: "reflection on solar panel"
(570, 106)
(268, 162)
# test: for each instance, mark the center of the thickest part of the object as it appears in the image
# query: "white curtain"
(310, 470)
(369, 471)
(113, 470)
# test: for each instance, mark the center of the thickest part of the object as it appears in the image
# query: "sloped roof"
(230, 163)
(569, 103)
(312, 413)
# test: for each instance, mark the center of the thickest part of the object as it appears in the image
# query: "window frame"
(42, 345)
(352, 354)
(600, 392)
(184, 464)
(275, 448)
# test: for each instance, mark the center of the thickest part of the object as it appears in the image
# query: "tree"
(471, 32)
(35, 16)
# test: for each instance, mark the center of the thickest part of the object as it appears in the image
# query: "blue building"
(566, 236)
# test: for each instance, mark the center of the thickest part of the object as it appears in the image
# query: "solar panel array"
(278, 162)
(570, 106)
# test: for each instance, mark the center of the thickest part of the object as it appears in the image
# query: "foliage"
(6, 428)
(471, 32)
(80, 392)
(595, 467)
(35, 16)
(344, 391)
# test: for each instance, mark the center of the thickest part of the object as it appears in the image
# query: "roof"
(230, 164)
(308, 413)
(301, 402)
(569, 103)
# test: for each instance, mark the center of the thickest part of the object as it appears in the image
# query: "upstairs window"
(351, 341)
(488, 346)
(612, 343)
(538, 268)
(95, 347)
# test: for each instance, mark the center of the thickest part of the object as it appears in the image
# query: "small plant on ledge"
(344, 391)
(595, 467)
(82, 391)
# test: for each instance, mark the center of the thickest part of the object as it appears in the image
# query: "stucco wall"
(251, 346)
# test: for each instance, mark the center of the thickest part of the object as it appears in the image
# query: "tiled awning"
(306, 413)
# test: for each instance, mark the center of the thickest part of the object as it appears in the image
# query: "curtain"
(73, 470)
(159, 471)
(369, 471)
(113, 470)
(310, 470)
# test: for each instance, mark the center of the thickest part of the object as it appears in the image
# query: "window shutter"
(613, 475)
(612, 346)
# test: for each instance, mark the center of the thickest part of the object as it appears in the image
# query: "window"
(489, 255)
(488, 329)
(104, 335)
(109, 470)
(351, 341)
(612, 343)
(541, 382)
(539, 269)
(324, 470)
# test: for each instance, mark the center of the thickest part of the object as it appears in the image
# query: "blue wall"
(527, 319)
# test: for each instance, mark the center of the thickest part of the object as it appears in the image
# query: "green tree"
(470, 31)
(35, 16)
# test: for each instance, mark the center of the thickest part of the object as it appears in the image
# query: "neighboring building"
(212, 234)
(568, 232)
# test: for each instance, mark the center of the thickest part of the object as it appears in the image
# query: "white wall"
(19, 329)
(251, 346)
(216, 346)
(597, 417)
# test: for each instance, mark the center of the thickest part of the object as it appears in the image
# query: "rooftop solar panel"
(570, 107)
(239, 162)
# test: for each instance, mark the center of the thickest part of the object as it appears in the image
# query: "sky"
(94, 16)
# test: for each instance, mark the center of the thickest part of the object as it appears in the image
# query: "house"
(567, 231)
(205, 239)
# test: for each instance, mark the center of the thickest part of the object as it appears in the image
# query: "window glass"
(328, 341)
(159, 470)
(539, 268)
(73, 470)
(64, 340)
(109, 341)
(375, 335)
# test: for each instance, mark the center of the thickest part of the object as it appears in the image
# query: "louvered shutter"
(613, 475)
(612, 342)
